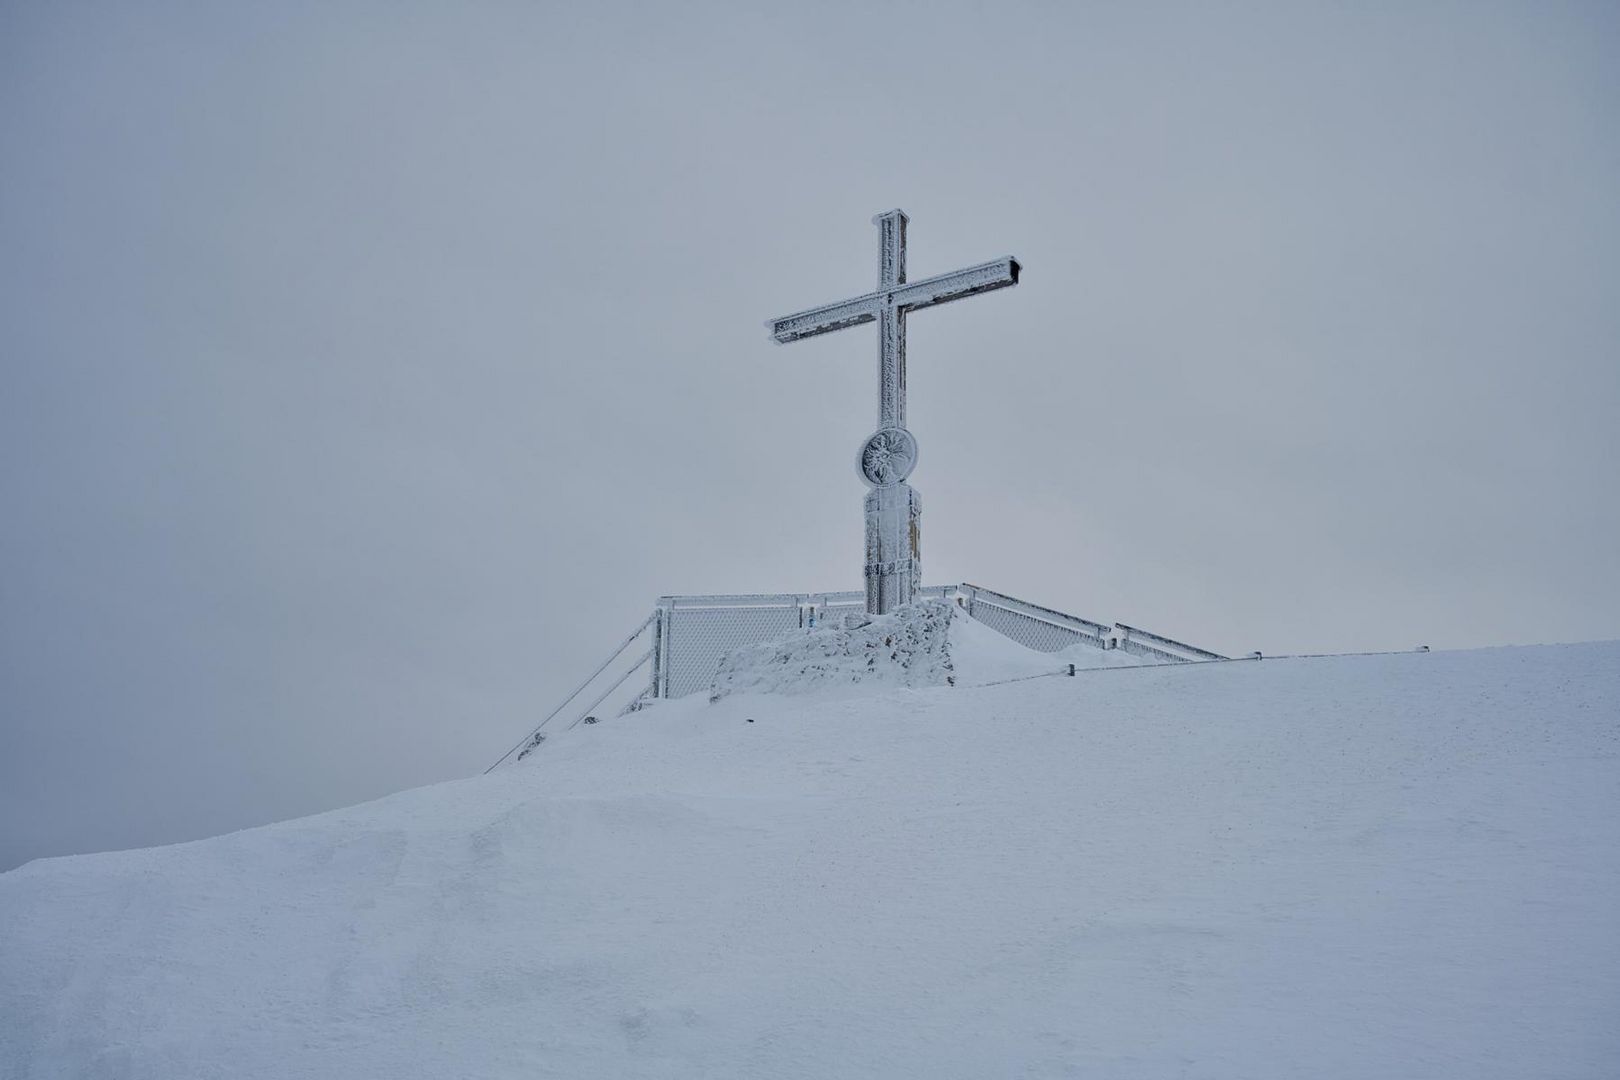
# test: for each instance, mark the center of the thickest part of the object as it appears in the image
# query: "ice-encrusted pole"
(893, 510)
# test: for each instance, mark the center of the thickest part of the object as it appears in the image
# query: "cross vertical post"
(891, 320)
(893, 508)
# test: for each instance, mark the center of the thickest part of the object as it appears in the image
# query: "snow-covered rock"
(930, 643)
(1379, 866)
(910, 646)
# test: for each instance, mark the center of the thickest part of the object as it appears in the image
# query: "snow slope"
(1384, 866)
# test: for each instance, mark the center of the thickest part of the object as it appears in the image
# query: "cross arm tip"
(781, 333)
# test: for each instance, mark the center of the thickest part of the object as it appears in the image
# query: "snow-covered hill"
(1384, 866)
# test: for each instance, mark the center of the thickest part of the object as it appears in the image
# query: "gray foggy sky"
(366, 370)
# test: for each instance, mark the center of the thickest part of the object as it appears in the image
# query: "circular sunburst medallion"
(888, 457)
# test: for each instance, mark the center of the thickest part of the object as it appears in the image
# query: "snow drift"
(1381, 866)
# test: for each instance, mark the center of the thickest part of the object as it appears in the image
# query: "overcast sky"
(366, 370)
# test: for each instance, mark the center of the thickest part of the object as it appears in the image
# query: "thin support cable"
(1176, 664)
(586, 711)
(623, 645)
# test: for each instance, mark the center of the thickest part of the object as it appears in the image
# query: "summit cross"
(893, 509)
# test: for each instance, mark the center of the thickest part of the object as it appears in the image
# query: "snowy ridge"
(1375, 866)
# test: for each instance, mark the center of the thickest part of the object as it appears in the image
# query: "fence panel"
(699, 630)
(1031, 625)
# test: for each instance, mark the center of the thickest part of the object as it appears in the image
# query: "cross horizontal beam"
(996, 274)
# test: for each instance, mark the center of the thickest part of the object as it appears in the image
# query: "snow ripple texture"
(909, 647)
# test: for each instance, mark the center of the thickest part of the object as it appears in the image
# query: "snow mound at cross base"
(930, 643)
(1379, 866)
(910, 646)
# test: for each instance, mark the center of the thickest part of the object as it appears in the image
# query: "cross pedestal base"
(893, 547)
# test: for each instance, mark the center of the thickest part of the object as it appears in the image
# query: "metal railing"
(1143, 643)
(686, 637)
(1032, 626)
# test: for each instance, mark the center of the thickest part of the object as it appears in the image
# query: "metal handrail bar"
(1142, 648)
(1097, 627)
(729, 599)
(1072, 670)
(732, 599)
(1091, 635)
(1159, 639)
(1087, 629)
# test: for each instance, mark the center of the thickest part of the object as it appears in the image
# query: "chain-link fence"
(1031, 625)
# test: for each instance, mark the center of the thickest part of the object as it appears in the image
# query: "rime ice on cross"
(893, 510)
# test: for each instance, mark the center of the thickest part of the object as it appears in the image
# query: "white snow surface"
(1376, 866)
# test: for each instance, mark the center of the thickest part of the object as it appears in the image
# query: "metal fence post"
(656, 689)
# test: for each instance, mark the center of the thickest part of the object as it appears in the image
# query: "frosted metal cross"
(893, 510)
(889, 305)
